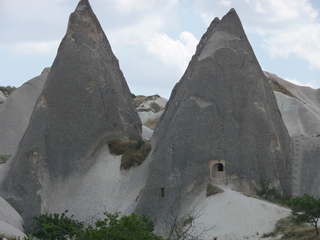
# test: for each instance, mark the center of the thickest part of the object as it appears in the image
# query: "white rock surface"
(301, 115)
(9, 231)
(9, 215)
(146, 133)
(146, 116)
(104, 188)
(232, 215)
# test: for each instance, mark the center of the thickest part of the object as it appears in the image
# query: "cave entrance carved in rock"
(218, 173)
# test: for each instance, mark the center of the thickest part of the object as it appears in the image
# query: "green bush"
(112, 227)
(133, 152)
(4, 158)
(55, 226)
(306, 209)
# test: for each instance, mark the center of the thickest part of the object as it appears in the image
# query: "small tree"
(306, 209)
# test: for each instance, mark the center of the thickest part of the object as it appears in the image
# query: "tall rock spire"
(85, 103)
(222, 111)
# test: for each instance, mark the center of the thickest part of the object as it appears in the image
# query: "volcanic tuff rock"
(223, 108)
(300, 114)
(84, 103)
(15, 112)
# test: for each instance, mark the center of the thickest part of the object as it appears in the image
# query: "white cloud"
(288, 26)
(225, 2)
(311, 83)
(173, 52)
(294, 81)
(137, 5)
(303, 41)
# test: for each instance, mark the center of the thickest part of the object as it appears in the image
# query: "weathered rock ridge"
(84, 103)
(301, 114)
(15, 112)
(223, 108)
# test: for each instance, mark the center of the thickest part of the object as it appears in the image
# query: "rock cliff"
(221, 123)
(84, 103)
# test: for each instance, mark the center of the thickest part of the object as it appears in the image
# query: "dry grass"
(152, 123)
(279, 88)
(138, 100)
(286, 229)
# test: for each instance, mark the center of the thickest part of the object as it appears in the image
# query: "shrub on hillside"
(55, 226)
(133, 152)
(4, 158)
(112, 227)
(155, 107)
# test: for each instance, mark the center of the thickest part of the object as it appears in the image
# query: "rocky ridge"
(301, 114)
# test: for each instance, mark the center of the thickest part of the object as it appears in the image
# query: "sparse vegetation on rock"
(287, 229)
(4, 158)
(152, 123)
(213, 190)
(134, 152)
(267, 192)
(155, 107)
(138, 100)
(279, 88)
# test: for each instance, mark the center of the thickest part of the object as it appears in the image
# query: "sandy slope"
(231, 215)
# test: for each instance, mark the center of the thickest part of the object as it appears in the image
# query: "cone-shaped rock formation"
(221, 123)
(85, 103)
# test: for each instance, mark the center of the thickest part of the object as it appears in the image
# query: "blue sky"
(155, 39)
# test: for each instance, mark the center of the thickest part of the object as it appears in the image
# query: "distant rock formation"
(221, 123)
(15, 112)
(301, 115)
(2, 97)
(84, 103)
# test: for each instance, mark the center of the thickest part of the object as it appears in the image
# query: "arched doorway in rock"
(218, 173)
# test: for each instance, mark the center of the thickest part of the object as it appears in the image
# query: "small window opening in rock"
(162, 192)
(220, 167)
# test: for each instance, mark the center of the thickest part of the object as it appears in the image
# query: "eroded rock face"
(223, 108)
(15, 112)
(300, 114)
(84, 103)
